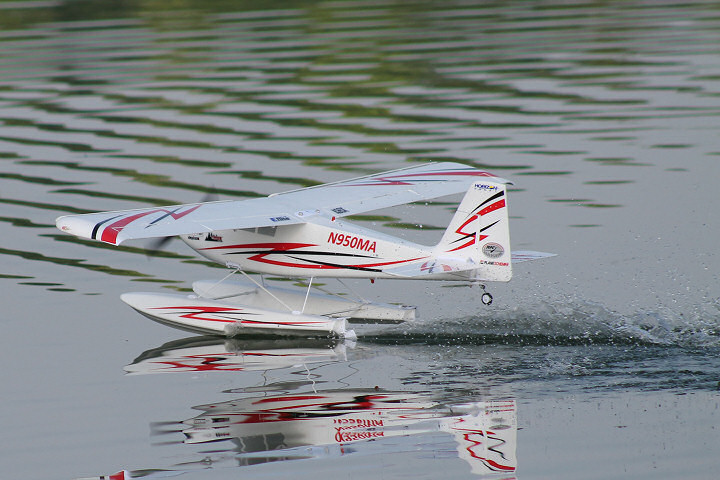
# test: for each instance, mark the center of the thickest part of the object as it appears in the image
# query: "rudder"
(479, 232)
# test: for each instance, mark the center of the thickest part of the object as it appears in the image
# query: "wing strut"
(237, 268)
(262, 287)
(307, 294)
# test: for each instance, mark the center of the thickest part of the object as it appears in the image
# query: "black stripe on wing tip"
(97, 226)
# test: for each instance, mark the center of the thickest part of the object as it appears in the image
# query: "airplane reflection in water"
(214, 354)
(331, 423)
(298, 422)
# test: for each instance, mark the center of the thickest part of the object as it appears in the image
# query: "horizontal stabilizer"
(430, 268)
(527, 255)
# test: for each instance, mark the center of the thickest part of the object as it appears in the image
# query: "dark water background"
(604, 114)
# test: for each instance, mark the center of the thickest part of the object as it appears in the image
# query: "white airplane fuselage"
(319, 248)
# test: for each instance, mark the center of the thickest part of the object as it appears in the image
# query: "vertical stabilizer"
(479, 232)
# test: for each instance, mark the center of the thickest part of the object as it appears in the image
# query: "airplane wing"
(339, 199)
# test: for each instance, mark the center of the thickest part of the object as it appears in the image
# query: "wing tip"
(72, 225)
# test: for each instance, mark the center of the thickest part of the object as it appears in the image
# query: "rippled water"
(605, 115)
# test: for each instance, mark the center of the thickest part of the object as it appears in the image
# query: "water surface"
(605, 115)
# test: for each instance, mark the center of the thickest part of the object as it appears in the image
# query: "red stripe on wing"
(111, 232)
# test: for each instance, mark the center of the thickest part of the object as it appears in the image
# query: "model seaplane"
(302, 234)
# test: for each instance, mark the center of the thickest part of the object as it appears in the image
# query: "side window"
(269, 231)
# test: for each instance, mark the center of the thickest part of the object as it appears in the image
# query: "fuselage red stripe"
(260, 258)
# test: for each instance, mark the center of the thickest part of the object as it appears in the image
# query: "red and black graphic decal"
(495, 202)
(220, 314)
(110, 232)
(227, 315)
(297, 255)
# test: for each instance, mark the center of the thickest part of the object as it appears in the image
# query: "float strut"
(307, 294)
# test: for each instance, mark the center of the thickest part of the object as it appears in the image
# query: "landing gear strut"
(485, 298)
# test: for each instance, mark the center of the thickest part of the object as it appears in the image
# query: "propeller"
(157, 245)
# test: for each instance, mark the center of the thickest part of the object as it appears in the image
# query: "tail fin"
(479, 232)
